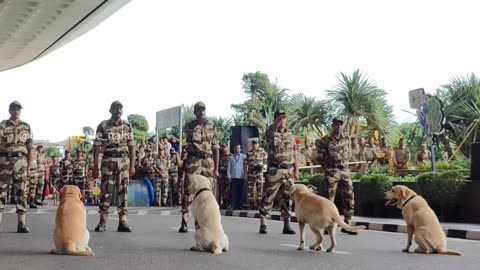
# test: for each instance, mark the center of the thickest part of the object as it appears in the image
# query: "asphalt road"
(156, 244)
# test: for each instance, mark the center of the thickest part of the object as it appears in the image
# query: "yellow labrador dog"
(209, 235)
(420, 220)
(318, 212)
(71, 235)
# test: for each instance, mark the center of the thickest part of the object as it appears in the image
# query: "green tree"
(53, 151)
(308, 113)
(461, 100)
(362, 103)
(222, 127)
(139, 125)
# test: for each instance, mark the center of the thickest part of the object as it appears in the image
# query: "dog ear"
(80, 196)
(62, 192)
(404, 192)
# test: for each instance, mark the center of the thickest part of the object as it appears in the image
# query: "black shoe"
(22, 228)
(350, 233)
(183, 227)
(101, 227)
(123, 227)
(287, 229)
(33, 206)
(263, 229)
(41, 203)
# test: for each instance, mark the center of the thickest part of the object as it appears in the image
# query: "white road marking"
(142, 212)
(307, 249)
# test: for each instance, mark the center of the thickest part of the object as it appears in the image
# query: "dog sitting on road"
(209, 235)
(420, 220)
(70, 235)
(318, 212)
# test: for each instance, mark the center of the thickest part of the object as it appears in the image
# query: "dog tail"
(451, 252)
(345, 226)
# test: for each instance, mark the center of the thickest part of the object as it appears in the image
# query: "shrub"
(441, 187)
(372, 187)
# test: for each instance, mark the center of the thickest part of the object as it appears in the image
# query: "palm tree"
(307, 113)
(461, 105)
(222, 126)
(362, 103)
(273, 99)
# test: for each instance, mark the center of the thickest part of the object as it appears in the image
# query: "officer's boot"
(102, 225)
(183, 226)
(32, 203)
(286, 227)
(348, 221)
(263, 225)
(22, 228)
(122, 224)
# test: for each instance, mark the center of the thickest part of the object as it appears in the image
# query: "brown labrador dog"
(420, 220)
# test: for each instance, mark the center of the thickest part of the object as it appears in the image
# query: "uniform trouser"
(340, 179)
(65, 180)
(255, 185)
(14, 171)
(279, 182)
(161, 190)
(224, 187)
(40, 185)
(79, 181)
(115, 174)
(32, 185)
(174, 188)
(195, 166)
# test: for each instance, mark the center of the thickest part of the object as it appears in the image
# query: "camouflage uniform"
(161, 181)
(114, 139)
(66, 170)
(173, 177)
(148, 170)
(32, 180)
(79, 167)
(423, 157)
(41, 168)
(401, 158)
(334, 157)
(280, 172)
(223, 181)
(15, 141)
(201, 142)
(55, 174)
(357, 154)
(255, 159)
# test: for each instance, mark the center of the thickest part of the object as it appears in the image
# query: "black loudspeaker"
(240, 135)
(475, 156)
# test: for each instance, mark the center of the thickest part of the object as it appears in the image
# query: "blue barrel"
(140, 193)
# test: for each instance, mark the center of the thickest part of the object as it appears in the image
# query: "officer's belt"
(255, 167)
(115, 154)
(200, 155)
(280, 165)
(14, 154)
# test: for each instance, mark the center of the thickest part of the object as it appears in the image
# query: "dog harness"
(200, 191)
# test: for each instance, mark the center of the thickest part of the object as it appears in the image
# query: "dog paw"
(196, 248)
(405, 250)
(300, 248)
(217, 251)
(330, 250)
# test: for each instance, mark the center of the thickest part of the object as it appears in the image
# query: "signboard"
(416, 98)
(431, 116)
(169, 118)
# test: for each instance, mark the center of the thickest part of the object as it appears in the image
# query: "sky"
(153, 55)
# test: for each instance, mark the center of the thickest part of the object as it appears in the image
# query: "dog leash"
(409, 200)
(200, 191)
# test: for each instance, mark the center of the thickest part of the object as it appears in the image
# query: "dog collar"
(409, 200)
(200, 191)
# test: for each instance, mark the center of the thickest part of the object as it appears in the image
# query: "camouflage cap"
(199, 105)
(338, 119)
(278, 113)
(116, 103)
(15, 104)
